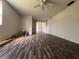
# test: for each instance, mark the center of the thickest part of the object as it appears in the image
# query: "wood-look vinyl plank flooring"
(40, 46)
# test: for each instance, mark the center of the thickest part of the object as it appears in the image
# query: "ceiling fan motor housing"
(42, 0)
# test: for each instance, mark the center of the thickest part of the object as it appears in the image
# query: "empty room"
(39, 29)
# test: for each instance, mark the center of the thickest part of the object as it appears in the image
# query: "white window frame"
(0, 12)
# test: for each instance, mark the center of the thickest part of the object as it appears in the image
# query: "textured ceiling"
(26, 7)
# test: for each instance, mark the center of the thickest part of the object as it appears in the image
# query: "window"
(40, 27)
(0, 12)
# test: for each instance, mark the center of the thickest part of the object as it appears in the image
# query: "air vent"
(70, 3)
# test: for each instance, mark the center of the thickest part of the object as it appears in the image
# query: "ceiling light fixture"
(43, 3)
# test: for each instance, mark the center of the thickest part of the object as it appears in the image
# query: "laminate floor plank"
(40, 46)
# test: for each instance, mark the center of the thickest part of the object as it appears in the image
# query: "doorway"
(40, 27)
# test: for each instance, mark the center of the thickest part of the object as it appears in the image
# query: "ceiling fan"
(43, 3)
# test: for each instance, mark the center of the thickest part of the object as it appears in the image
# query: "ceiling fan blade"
(37, 6)
(51, 2)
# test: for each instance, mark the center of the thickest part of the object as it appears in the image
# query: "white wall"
(10, 24)
(27, 24)
(66, 23)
